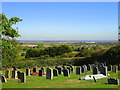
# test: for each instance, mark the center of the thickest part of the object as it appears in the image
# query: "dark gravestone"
(82, 69)
(119, 67)
(66, 72)
(78, 70)
(42, 69)
(95, 70)
(110, 68)
(3, 79)
(115, 68)
(85, 68)
(49, 73)
(34, 70)
(18, 74)
(103, 71)
(55, 72)
(113, 81)
(28, 72)
(40, 72)
(7, 74)
(22, 77)
(72, 69)
(69, 69)
(14, 74)
(89, 67)
(59, 70)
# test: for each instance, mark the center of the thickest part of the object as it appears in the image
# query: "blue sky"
(65, 20)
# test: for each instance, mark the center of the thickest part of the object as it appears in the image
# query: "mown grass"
(60, 82)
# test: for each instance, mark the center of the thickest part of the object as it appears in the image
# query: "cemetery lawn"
(60, 81)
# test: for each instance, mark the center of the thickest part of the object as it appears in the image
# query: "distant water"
(44, 41)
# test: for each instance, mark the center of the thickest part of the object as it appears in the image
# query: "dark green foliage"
(50, 51)
(40, 45)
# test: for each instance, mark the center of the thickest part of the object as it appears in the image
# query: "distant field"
(60, 82)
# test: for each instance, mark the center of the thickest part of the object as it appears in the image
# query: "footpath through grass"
(60, 81)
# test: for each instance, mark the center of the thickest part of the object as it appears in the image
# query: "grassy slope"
(60, 82)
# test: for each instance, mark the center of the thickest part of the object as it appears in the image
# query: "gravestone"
(72, 69)
(115, 68)
(82, 69)
(113, 81)
(28, 72)
(69, 69)
(14, 74)
(42, 69)
(14, 68)
(7, 74)
(110, 68)
(40, 72)
(3, 79)
(89, 67)
(55, 72)
(66, 72)
(119, 67)
(18, 74)
(95, 70)
(34, 70)
(59, 70)
(85, 68)
(49, 73)
(103, 71)
(78, 70)
(64, 67)
(22, 77)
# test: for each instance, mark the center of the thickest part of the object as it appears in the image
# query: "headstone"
(69, 69)
(110, 68)
(89, 67)
(95, 70)
(28, 72)
(64, 67)
(113, 81)
(3, 79)
(7, 74)
(18, 74)
(103, 71)
(40, 72)
(14, 74)
(85, 68)
(59, 70)
(78, 70)
(49, 73)
(55, 72)
(22, 77)
(72, 69)
(115, 68)
(42, 69)
(34, 70)
(119, 67)
(82, 69)
(66, 72)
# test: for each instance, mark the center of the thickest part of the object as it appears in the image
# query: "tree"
(10, 47)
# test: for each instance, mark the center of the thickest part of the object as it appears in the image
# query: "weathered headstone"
(115, 68)
(72, 69)
(55, 72)
(34, 70)
(49, 73)
(14, 74)
(83, 69)
(22, 77)
(59, 70)
(103, 70)
(40, 72)
(69, 69)
(113, 81)
(66, 72)
(7, 74)
(95, 70)
(78, 70)
(3, 79)
(28, 72)
(110, 68)
(18, 74)
(89, 67)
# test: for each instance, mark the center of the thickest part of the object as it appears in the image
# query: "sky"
(64, 20)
